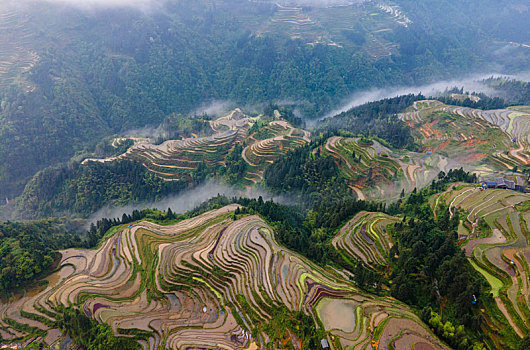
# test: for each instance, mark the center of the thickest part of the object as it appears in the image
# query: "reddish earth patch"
(442, 146)
(473, 142)
(360, 183)
(428, 131)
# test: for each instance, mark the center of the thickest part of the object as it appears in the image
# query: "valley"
(223, 274)
(262, 174)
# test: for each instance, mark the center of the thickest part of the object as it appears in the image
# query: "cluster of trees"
(484, 101)
(286, 112)
(28, 250)
(312, 177)
(83, 189)
(105, 148)
(430, 270)
(453, 175)
(516, 92)
(296, 322)
(455, 335)
(90, 334)
(235, 166)
(376, 119)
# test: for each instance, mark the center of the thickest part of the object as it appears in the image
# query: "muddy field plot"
(502, 254)
(375, 171)
(484, 140)
(364, 323)
(207, 282)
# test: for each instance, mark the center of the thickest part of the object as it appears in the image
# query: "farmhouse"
(503, 183)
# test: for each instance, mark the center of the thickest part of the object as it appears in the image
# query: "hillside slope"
(66, 82)
(214, 280)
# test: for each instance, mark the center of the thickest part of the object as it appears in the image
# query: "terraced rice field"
(365, 238)
(295, 22)
(502, 257)
(396, 13)
(262, 151)
(488, 140)
(16, 52)
(391, 171)
(334, 24)
(205, 283)
(177, 159)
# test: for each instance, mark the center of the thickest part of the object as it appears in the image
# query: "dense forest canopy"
(29, 250)
(77, 189)
(95, 77)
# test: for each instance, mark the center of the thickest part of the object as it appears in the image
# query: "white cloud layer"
(189, 199)
(144, 5)
(319, 3)
(471, 84)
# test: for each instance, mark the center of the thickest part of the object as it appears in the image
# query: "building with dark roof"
(502, 183)
(490, 184)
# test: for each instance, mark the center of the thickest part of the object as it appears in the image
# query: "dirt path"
(516, 154)
(454, 199)
(244, 156)
(359, 193)
(501, 307)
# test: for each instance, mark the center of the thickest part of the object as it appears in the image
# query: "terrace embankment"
(365, 237)
(208, 282)
(179, 159)
(482, 140)
(497, 223)
(376, 171)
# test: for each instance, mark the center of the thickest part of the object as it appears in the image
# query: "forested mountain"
(84, 189)
(400, 223)
(86, 74)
